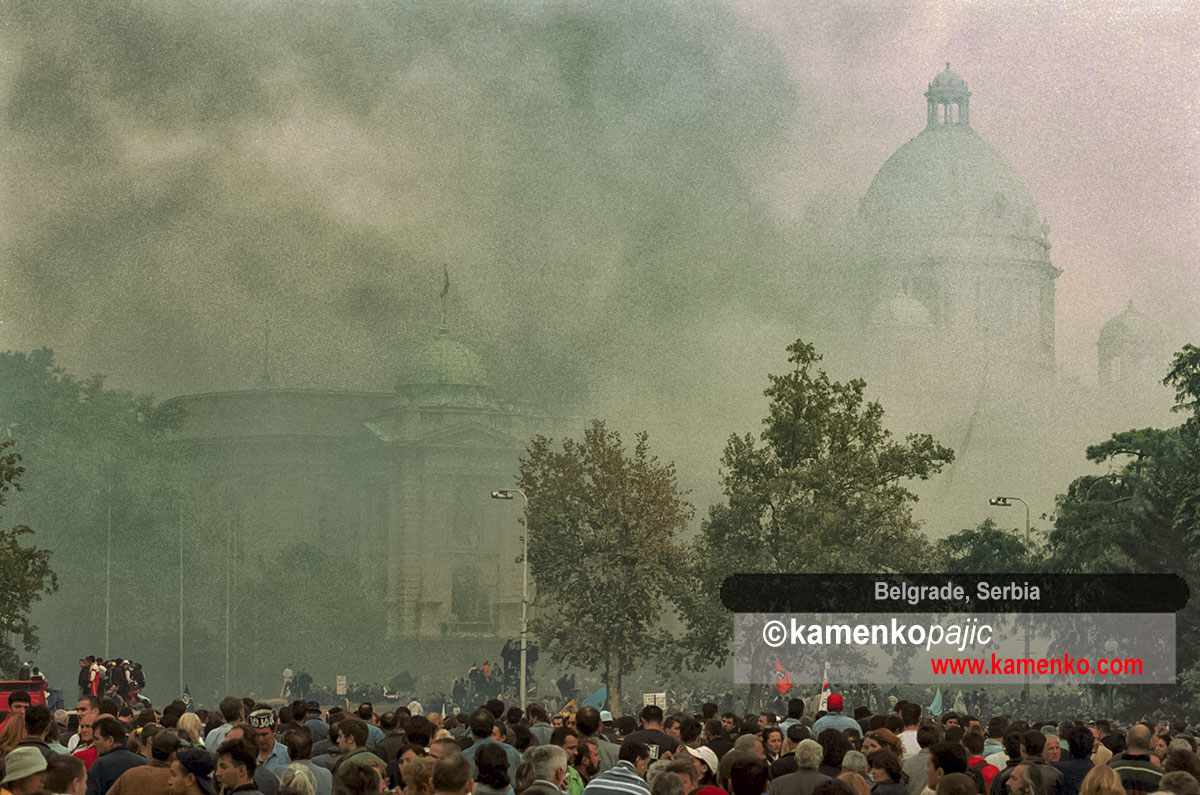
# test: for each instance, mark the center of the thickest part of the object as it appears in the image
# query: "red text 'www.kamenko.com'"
(1043, 666)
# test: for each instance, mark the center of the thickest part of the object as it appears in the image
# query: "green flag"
(936, 706)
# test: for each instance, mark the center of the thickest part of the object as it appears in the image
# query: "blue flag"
(598, 698)
(936, 706)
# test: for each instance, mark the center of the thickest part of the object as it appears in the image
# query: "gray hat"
(23, 762)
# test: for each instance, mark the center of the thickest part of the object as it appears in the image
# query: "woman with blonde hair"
(1101, 780)
(190, 723)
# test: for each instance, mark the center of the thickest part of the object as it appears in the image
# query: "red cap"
(835, 701)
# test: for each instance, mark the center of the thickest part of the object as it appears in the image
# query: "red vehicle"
(36, 688)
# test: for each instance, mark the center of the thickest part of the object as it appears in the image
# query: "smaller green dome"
(445, 361)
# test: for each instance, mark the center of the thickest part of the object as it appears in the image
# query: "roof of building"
(445, 361)
(1130, 327)
(949, 181)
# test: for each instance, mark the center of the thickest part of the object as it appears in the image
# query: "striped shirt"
(621, 779)
(1138, 774)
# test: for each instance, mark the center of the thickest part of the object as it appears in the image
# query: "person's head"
(549, 763)
(742, 774)
(835, 702)
(857, 784)
(567, 739)
(164, 746)
(885, 766)
(448, 745)
(652, 716)
(668, 784)
(911, 715)
(37, 721)
(18, 702)
(1137, 739)
(795, 708)
(587, 721)
(997, 726)
(1179, 783)
(65, 774)
(1079, 741)
(87, 705)
(949, 719)
(558, 720)
(881, 739)
(587, 757)
(957, 784)
(263, 723)
(107, 734)
(352, 734)
(686, 771)
(1159, 744)
(299, 744)
(236, 762)
(1101, 780)
(190, 723)
(1033, 742)
(808, 754)
(973, 741)
(772, 739)
(24, 771)
(1053, 750)
(1025, 780)
(751, 744)
(729, 722)
(856, 762)
(357, 779)
(491, 762)
(482, 722)
(635, 754)
(944, 759)
(231, 709)
(835, 744)
(297, 780)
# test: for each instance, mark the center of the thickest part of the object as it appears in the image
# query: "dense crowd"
(114, 747)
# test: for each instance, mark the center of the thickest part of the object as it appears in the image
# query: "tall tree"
(604, 528)
(25, 573)
(986, 548)
(822, 489)
(1144, 514)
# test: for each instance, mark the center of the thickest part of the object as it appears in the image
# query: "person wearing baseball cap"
(834, 719)
(24, 771)
(191, 773)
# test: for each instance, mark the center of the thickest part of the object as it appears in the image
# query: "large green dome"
(949, 181)
(445, 361)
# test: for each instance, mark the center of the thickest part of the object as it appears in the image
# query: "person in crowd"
(1138, 772)
(483, 723)
(886, 773)
(113, 757)
(743, 774)
(772, 740)
(834, 719)
(944, 758)
(66, 775)
(24, 772)
(151, 778)
(856, 762)
(587, 760)
(807, 778)
(652, 735)
(272, 754)
(879, 739)
(299, 748)
(974, 742)
(1077, 762)
(957, 784)
(352, 738)
(626, 777)
(835, 746)
(1179, 783)
(491, 766)
(237, 761)
(37, 726)
(910, 716)
(297, 779)
(232, 710)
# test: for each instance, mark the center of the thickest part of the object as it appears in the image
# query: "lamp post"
(507, 494)
(1111, 647)
(1006, 502)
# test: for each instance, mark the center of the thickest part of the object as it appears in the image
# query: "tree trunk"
(612, 681)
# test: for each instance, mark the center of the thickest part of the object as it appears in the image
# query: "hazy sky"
(619, 190)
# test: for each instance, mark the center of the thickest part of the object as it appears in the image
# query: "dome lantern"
(948, 100)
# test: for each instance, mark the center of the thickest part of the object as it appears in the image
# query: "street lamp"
(1006, 502)
(507, 494)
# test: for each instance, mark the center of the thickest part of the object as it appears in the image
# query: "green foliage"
(604, 526)
(987, 548)
(25, 573)
(1143, 515)
(824, 492)
(90, 453)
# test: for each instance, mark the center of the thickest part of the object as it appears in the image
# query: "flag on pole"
(936, 706)
(960, 706)
(570, 708)
(783, 679)
(597, 699)
(825, 690)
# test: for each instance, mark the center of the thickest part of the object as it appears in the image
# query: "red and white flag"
(783, 679)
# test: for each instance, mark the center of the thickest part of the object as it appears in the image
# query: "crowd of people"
(111, 746)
